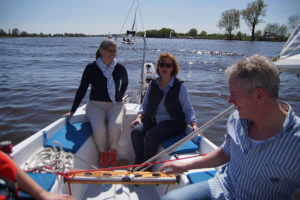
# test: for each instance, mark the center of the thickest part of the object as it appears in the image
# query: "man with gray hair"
(260, 154)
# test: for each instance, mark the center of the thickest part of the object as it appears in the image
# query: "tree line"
(15, 32)
(230, 20)
(252, 15)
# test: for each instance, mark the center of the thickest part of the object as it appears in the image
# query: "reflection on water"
(39, 77)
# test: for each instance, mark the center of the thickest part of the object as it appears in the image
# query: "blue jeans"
(146, 137)
(196, 191)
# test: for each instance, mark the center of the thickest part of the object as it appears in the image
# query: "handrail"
(187, 138)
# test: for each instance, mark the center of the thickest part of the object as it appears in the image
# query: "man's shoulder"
(292, 123)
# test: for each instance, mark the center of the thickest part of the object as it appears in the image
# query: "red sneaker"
(103, 159)
(113, 157)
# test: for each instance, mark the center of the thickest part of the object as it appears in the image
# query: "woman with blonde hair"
(105, 109)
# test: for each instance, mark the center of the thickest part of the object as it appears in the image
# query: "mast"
(133, 25)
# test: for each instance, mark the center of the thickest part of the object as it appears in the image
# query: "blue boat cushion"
(187, 147)
(72, 136)
(45, 180)
(197, 140)
(201, 176)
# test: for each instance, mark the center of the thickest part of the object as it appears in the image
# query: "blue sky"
(102, 17)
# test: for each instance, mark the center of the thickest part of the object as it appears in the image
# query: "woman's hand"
(135, 122)
(69, 115)
(194, 126)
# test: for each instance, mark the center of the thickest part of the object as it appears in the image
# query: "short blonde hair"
(256, 72)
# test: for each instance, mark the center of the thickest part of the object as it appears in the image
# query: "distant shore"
(207, 37)
(162, 33)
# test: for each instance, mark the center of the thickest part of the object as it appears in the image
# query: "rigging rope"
(140, 15)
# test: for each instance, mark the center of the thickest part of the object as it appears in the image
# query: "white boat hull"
(88, 156)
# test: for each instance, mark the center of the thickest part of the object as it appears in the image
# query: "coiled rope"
(51, 160)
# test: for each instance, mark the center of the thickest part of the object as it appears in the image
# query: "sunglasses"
(168, 65)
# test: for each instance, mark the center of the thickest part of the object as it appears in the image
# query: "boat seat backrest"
(196, 177)
(188, 147)
(71, 137)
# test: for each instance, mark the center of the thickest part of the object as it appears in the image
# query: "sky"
(102, 17)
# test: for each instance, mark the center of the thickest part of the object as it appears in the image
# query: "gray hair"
(104, 44)
(256, 72)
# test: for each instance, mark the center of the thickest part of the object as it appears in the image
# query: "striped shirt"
(270, 170)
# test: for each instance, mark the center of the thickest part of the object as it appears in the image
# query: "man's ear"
(259, 94)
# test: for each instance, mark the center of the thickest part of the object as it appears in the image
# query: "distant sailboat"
(171, 36)
(130, 34)
(109, 35)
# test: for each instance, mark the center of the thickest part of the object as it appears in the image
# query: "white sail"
(289, 60)
(133, 25)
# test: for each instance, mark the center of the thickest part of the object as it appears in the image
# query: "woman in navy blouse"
(109, 81)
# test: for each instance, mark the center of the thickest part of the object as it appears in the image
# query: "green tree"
(24, 34)
(282, 31)
(164, 32)
(258, 33)
(293, 21)
(275, 30)
(2, 33)
(230, 20)
(15, 32)
(239, 35)
(193, 32)
(253, 13)
(203, 33)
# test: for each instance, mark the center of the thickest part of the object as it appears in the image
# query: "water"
(39, 77)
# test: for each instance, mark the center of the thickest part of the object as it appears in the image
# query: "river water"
(39, 77)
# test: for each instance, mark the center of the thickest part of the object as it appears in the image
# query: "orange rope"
(67, 174)
(70, 175)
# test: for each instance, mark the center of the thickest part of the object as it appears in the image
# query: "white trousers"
(106, 119)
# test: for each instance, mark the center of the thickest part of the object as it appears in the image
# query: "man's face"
(240, 99)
